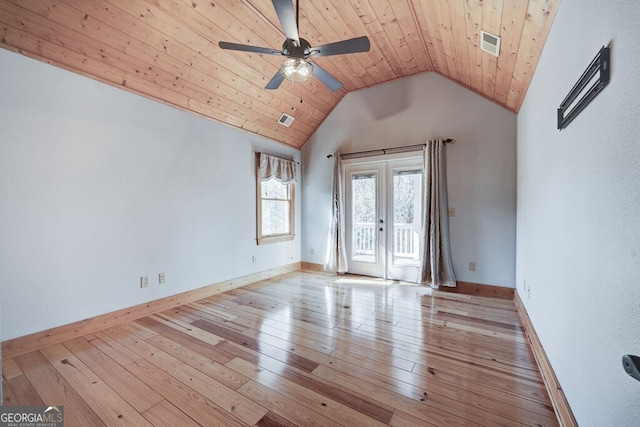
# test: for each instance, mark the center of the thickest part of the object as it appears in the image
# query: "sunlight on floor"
(364, 281)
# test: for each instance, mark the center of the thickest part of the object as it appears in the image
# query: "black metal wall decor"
(631, 365)
(571, 106)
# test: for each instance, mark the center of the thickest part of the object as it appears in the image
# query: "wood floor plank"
(329, 337)
(497, 354)
(113, 349)
(452, 327)
(10, 369)
(164, 414)
(9, 398)
(534, 414)
(21, 392)
(308, 398)
(470, 320)
(184, 339)
(54, 390)
(273, 335)
(284, 407)
(361, 402)
(402, 419)
(415, 402)
(423, 345)
(195, 314)
(186, 328)
(274, 420)
(458, 345)
(475, 387)
(304, 348)
(131, 389)
(508, 388)
(389, 373)
(201, 409)
(523, 387)
(293, 359)
(213, 311)
(207, 366)
(138, 330)
(106, 403)
(425, 356)
(428, 406)
(372, 358)
(208, 387)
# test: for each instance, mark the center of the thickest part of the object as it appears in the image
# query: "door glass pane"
(363, 190)
(407, 220)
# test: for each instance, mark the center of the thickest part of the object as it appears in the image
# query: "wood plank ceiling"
(167, 50)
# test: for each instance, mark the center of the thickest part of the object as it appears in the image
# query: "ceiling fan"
(296, 67)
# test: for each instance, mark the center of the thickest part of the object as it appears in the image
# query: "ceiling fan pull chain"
(300, 94)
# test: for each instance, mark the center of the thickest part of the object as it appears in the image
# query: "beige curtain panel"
(282, 170)
(436, 268)
(336, 257)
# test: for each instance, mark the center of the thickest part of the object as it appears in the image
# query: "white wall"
(579, 212)
(99, 187)
(481, 165)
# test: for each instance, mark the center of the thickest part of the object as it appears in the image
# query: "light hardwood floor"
(300, 349)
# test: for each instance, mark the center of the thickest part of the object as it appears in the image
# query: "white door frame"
(383, 167)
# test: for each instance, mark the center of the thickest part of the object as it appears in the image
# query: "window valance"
(282, 170)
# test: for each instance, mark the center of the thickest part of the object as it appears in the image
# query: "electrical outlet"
(144, 281)
(313, 251)
(253, 259)
(524, 284)
(472, 266)
(529, 292)
(162, 278)
(451, 211)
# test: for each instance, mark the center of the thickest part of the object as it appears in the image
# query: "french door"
(383, 213)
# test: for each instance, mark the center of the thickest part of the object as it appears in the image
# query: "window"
(275, 199)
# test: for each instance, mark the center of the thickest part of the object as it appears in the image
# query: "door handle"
(380, 229)
(381, 221)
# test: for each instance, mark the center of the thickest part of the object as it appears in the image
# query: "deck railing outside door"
(406, 242)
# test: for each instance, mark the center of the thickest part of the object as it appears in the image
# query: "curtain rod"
(283, 158)
(383, 151)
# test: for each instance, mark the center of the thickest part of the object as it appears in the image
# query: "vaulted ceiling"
(167, 50)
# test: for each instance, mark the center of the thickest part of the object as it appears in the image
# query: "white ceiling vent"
(285, 120)
(490, 43)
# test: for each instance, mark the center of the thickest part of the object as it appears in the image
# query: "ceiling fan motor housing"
(292, 50)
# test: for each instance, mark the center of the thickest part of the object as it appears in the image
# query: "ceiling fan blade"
(248, 48)
(287, 16)
(358, 44)
(275, 81)
(327, 79)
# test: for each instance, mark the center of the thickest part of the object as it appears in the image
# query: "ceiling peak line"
(414, 16)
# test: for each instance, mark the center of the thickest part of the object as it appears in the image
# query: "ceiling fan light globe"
(296, 70)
